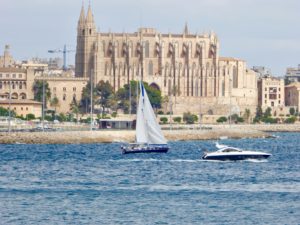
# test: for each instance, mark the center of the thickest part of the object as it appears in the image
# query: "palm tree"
(54, 103)
(165, 101)
(247, 114)
(75, 109)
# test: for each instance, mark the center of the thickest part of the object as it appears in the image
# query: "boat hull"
(235, 157)
(150, 149)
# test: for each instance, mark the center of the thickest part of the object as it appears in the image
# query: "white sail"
(147, 129)
(141, 133)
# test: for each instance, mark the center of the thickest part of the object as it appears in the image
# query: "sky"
(261, 32)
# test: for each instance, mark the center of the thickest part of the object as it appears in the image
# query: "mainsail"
(147, 129)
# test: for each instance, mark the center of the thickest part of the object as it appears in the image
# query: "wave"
(157, 160)
(228, 187)
(186, 160)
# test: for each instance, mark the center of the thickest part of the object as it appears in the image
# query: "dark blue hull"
(150, 149)
(235, 157)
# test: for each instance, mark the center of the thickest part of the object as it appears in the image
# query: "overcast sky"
(262, 32)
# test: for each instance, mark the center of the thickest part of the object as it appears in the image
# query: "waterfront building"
(65, 89)
(18, 79)
(292, 95)
(293, 74)
(14, 78)
(23, 107)
(271, 93)
(186, 67)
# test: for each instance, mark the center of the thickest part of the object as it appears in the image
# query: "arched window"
(64, 97)
(150, 68)
(223, 88)
(235, 77)
(103, 47)
(147, 49)
(22, 96)
(83, 32)
(106, 69)
(116, 49)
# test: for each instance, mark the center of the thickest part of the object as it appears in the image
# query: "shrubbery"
(222, 119)
(164, 120)
(177, 119)
(291, 119)
(190, 118)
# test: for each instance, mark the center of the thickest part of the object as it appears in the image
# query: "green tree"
(85, 102)
(222, 119)
(38, 91)
(292, 111)
(75, 109)
(177, 119)
(54, 102)
(62, 117)
(5, 112)
(30, 116)
(259, 112)
(291, 119)
(164, 120)
(105, 93)
(247, 114)
(123, 96)
(190, 118)
(267, 113)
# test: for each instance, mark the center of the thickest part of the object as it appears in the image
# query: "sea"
(96, 184)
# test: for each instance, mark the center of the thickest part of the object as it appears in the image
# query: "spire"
(89, 16)
(186, 29)
(82, 15)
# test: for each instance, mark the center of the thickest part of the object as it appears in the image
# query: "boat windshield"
(231, 150)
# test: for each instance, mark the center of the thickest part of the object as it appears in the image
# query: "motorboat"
(149, 137)
(232, 153)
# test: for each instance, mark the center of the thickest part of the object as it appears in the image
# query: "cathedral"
(185, 67)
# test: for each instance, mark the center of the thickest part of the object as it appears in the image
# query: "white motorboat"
(232, 153)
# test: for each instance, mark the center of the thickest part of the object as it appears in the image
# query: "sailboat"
(149, 137)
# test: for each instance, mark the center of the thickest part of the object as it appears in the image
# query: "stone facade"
(18, 79)
(14, 78)
(270, 92)
(66, 89)
(185, 66)
(293, 74)
(292, 95)
(23, 107)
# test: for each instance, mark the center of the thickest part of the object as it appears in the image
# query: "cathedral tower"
(86, 37)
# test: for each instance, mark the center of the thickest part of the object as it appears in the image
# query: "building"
(293, 74)
(18, 79)
(262, 71)
(23, 107)
(6, 60)
(15, 79)
(186, 67)
(292, 95)
(271, 94)
(65, 89)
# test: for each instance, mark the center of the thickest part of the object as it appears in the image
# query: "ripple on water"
(96, 184)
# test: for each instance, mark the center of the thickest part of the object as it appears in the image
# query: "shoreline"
(209, 132)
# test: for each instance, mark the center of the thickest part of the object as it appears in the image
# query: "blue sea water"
(96, 184)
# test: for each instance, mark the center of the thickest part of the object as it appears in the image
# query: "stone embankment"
(108, 136)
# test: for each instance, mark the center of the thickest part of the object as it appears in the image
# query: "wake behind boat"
(232, 153)
(149, 137)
